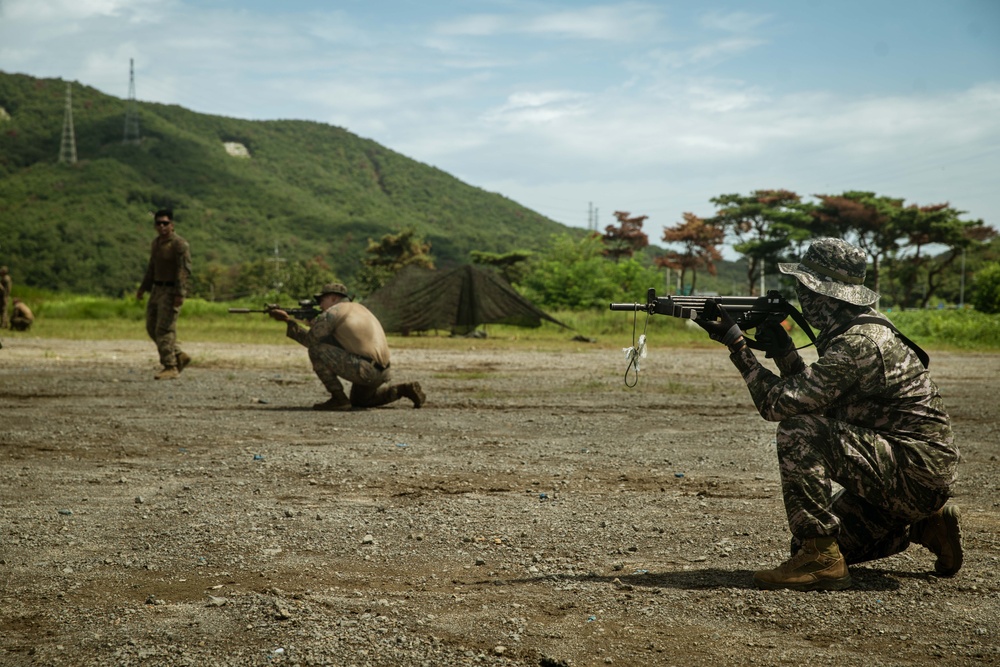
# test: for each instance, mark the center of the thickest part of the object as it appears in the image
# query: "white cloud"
(624, 21)
(722, 49)
(38, 11)
(616, 103)
(474, 25)
(734, 22)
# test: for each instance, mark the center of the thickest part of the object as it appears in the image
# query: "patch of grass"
(465, 375)
(486, 394)
(77, 317)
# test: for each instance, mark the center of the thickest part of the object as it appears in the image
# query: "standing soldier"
(6, 288)
(166, 279)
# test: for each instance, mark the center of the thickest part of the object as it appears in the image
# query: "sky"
(578, 109)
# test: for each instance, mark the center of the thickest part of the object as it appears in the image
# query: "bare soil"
(534, 512)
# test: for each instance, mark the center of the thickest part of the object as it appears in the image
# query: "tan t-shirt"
(349, 325)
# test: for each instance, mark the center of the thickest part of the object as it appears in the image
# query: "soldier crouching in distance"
(347, 341)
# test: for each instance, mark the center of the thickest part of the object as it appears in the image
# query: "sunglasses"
(162, 223)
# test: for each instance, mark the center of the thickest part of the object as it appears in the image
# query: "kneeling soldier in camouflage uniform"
(865, 447)
(347, 341)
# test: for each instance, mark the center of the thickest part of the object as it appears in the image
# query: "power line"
(67, 147)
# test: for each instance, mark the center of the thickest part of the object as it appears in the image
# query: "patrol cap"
(331, 288)
(834, 268)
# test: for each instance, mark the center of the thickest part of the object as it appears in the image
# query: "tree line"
(912, 253)
(912, 249)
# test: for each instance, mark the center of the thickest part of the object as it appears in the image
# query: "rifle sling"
(800, 319)
(871, 319)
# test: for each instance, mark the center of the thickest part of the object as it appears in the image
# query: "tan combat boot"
(412, 391)
(168, 373)
(941, 533)
(335, 404)
(818, 566)
(182, 361)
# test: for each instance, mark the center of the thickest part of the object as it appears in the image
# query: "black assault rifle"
(306, 311)
(749, 312)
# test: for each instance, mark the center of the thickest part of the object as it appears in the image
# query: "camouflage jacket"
(867, 377)
(169, 262)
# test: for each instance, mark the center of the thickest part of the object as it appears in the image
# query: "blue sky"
(647, 107)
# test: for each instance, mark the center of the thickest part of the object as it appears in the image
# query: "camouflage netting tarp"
(457, 301)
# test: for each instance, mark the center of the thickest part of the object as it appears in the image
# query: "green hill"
(312, 190)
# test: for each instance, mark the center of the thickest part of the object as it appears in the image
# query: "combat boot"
(818, 566)
(335, 404)
(168, 373)
(412, 391)
(182, 361)
(941, 533)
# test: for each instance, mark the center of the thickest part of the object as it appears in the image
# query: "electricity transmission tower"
(67, 148)
(131, 109)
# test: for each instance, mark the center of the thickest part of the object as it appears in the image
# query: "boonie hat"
(834, 268)
(331, 288)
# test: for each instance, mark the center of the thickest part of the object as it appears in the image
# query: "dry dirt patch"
(534, 512)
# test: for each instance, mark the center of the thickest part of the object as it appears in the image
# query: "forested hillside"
(309, 189)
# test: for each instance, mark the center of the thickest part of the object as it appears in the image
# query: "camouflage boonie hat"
(331, 288)
(834, 268)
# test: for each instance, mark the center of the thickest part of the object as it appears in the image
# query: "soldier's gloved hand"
(720, 325)
(774, 340)
(278, 314)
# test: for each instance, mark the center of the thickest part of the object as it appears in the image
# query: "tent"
(458, 300)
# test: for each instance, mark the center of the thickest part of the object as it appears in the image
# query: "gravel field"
(535, 511)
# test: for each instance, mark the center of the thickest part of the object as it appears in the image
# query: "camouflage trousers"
(369, 385)
(853, 483)
(161, 324)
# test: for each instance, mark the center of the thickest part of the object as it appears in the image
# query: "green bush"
(987, 289)
(964, 329)
(574, 275)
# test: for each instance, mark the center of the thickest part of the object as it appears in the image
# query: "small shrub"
(987, 286)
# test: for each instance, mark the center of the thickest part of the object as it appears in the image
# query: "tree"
(699, 240)
(913, 266)
(390, 254)
(625, 238)
(303, 278)
(574, 274)
(869, 219)
(511, 265)
(764, 225)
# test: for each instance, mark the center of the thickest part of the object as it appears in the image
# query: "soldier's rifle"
(306, 311)
(748, 312)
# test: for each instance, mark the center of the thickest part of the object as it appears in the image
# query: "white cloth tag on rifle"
(634, 354)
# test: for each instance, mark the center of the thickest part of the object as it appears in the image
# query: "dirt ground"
(534, 512)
